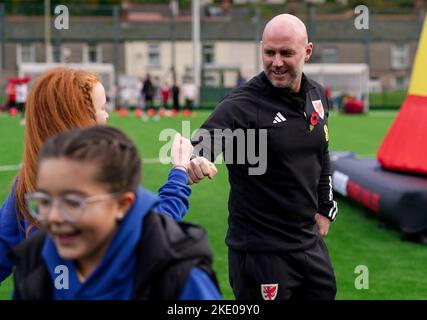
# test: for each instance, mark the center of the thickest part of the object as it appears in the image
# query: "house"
(144, 43)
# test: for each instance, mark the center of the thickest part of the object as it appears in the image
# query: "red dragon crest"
(269, 291)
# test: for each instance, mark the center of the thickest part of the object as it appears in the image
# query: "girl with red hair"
(64, 99)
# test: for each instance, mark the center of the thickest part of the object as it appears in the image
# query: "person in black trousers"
(148, 92)
(175, 96)
(279, 215)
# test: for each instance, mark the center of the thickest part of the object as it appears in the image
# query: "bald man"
(277, 218)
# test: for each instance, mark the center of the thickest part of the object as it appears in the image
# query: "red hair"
(60, 100)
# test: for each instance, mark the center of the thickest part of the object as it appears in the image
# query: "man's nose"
(277, 61)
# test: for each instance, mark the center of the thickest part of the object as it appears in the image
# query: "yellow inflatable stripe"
(418, 84)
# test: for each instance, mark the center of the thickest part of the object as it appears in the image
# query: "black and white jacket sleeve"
(326, 204)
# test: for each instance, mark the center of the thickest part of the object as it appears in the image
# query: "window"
(400, 56)
(208, 54)
(26, 53)
(153, 55)
(329, 55)
(65, 54)
(92, 53)
(400, 83)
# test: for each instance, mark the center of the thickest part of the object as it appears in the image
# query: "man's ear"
(308, 51)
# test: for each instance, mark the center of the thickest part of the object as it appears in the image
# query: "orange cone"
(13, 112)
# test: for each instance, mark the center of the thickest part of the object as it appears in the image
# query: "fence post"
(2, 37)
(116, 41)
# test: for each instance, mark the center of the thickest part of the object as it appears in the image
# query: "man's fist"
(200, 168)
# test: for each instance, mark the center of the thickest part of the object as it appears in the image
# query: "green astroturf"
(396, 268)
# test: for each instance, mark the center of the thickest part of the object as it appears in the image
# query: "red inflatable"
(353, 106)
(405, 148)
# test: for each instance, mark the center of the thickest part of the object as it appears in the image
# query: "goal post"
(342, 79)
(104, 70)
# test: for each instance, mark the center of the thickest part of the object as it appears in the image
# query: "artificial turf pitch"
(396, 268)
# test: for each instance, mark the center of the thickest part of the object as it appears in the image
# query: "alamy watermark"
(361, 22)
(362, 280)
(240, 146)
(62, 19)
(62, 280)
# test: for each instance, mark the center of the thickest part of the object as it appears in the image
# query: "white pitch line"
(155, 160)
(16, 167)
(13, 167)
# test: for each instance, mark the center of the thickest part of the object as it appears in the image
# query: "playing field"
(396, 268)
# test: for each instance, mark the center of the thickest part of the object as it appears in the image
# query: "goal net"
(104, 70)
(342, 79)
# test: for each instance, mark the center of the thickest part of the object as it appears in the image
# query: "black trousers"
(302, 275)
(175, 103)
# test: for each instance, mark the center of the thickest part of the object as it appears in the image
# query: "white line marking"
(16, 167)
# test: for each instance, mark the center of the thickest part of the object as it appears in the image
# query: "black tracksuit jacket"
(274, 211)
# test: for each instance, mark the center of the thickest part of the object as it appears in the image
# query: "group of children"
(78, 225)
(169, 98)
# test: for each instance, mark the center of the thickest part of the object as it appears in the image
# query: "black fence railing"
(210, 97)
(36, 8)
(104, 7)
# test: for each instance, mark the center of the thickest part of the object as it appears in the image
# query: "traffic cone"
(151, 112)
(13, 112)
(122, 112)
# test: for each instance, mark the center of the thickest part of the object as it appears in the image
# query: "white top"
(21, 93)
(189, 91)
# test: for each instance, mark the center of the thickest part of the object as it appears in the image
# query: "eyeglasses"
(71, 206)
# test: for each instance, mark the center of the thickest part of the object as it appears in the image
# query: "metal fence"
(256, 13)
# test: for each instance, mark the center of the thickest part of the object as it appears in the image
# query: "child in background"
(175, 97)
(165, 94)
(100, 227)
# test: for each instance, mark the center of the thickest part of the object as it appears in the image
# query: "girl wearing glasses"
(63, 99)
(102, 231)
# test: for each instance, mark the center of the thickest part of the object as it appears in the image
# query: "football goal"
(104, 70)
(342, 79)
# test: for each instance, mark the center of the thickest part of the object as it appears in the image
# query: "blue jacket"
(141, 247)
(173, 201)
(114, 277)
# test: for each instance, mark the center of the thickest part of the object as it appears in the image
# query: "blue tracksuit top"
(173, 201)
(113, 278)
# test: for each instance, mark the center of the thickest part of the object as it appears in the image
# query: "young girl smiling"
(101, 227)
